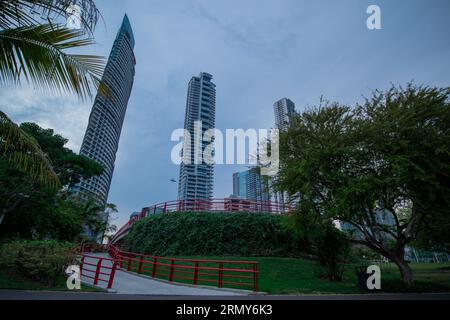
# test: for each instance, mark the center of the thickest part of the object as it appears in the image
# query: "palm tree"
(36, 53)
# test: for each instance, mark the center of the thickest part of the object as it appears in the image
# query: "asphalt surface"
(43, 295)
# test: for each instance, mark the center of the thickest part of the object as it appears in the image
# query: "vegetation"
(42, 261)
(37, 54)
(215, 234)
(290, 276)
(9, 279)
(30, 210)
(389, 156)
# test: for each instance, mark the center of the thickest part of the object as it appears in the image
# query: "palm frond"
(24, 153)
(20, 13)
(37, 55)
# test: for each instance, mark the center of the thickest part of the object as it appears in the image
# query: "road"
(42, 295)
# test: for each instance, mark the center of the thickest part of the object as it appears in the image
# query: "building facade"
(196, 176)
(102, 136)
(250, 185)
(284, 112)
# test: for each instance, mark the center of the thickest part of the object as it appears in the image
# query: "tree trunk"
(405, 271)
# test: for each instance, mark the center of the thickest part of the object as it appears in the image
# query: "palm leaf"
(24, 153)
(19, 13)
(37, 55)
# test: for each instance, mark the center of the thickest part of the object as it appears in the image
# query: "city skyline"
(295, 49)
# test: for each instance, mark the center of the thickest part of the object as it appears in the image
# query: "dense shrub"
(43, 261)
(333, 250)
(238, 234)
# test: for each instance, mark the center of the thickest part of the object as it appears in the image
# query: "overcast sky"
(258, 52)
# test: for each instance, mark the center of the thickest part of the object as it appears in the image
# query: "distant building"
(250, 185)
(284, 113)
(382, 216)
(284, 110)
(135, 215)
(197, 179)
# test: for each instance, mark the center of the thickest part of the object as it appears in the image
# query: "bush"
(209, 234)
(42, 261)
(333, 250)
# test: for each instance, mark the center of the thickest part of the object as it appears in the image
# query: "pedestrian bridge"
(133, 273)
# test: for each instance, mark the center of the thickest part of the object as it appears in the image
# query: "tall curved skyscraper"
(102, 136)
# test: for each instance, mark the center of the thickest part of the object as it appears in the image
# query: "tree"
(97, 218)
(35, 210)
(69, 166)
(362, 166)
(24, 153)
(37, 54)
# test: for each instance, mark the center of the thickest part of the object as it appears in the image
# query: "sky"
(258, 51)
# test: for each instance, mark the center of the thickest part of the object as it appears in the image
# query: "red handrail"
(97, 271)
(236, 273)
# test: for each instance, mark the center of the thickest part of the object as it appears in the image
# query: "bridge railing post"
(129, 262)
(155, 267)
(221, 275)
(172, 266)
(255, 277)
(112, 275)
(81, 266)
(141, 260)
(97, 271)
(196, 273)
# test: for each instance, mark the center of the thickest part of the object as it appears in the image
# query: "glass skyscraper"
(102, 136)
(197, 177)
(250, 185)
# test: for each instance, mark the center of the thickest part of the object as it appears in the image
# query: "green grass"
(14, 281)
(299, 276)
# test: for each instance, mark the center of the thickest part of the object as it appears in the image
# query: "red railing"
(219, 205)
(99, 269)
(220, 273)
(202, 205)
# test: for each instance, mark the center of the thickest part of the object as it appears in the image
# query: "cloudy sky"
(258, 52)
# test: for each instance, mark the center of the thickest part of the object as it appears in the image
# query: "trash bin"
(362, 275)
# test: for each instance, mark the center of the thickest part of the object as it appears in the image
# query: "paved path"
(127, 283)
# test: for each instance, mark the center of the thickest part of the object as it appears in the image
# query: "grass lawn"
(300, 276)
(11, 280)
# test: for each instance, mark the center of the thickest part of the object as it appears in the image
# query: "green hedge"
(238, 234)
(43, 261)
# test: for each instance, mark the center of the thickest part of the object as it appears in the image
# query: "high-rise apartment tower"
(197, 176)
(102, 136)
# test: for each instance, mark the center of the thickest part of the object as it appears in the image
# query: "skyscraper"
(102, 136)
(250, 185)
(284, 112)
(197, 177)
